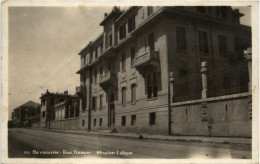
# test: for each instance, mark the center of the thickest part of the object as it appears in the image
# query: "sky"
(44, 43)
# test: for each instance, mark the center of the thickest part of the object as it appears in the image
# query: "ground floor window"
(123, 120)
(95, 122)
(152, 118)
(133, 120)
(100, 121)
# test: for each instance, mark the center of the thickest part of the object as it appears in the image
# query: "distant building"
(26, 114)
(124, 74)
(58, 106)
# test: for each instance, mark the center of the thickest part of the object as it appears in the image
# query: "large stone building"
(26, 114)
(124, 74)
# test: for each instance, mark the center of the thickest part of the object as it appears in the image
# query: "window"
(201, 9)
(94, 103)
(123, 121)
(222, 43)
(84, 102)
(101, 101)
(101, 71)
(123, 62)
(151, 41)
(152, 118)
(203, 42)
(152, 85)
(123, 95)
(149, 86)
(95, 76)
(95, 122)
(122, 31)
(43, 114)
(100, 121)
(132, 57)
(43, 102)
(150, 10)
(133, 93)
(83, 123)
(110, 40)
(96, 53)
(61, 99)
(181, 38)
(221, 11)
(101, 48)
(52, 101)
(133, 120)
(131, 24)
(84, 59)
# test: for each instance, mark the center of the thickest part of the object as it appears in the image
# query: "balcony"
(147, 59)
(107, 80)
(80, 90)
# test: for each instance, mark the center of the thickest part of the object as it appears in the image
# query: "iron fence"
(228, 80)
(187, 88)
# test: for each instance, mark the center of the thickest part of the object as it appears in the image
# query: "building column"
(104, 42)
(204, 80)
(170, 101)
(248, 56)
(113, 34)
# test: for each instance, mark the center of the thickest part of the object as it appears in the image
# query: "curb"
(145, 137)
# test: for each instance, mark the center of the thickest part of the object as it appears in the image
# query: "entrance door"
(111, 111)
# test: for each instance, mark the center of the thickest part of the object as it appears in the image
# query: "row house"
(124, 72)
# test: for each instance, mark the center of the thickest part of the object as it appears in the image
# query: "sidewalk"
(161, 137)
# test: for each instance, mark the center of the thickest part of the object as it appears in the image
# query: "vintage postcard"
(130, 82)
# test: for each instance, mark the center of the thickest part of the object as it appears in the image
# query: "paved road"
(31, 143)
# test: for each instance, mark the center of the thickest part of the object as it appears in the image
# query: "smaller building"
(57, 109)
(26, 114)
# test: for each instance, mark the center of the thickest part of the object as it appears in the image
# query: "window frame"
(181, 41)
(152, 118)
(123, 90)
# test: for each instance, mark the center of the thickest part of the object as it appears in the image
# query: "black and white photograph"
(173, 81)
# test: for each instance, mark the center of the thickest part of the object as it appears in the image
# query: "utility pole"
(170, 97)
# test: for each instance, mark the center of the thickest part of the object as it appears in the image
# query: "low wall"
(227, 116)
(66, 124)
(36, 125)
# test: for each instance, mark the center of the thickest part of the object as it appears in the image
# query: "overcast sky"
(43, 47)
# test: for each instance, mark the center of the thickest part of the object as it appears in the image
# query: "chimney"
(105, 15)
(66, 92)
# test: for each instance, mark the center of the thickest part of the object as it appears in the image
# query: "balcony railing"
(108, 79)
(80, 89)
(148, 58)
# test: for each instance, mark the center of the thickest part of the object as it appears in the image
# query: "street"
(31, 143)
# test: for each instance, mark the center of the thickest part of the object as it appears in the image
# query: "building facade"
(57, 109)
(124, 74)
(26, 114)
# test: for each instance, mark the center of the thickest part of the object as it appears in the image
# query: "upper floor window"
(131, 24)
(181, 38)
(110, 40)
(94, 103)
(101, 48)
(151, 41)
(201, 9)
(152, 85)
(84, 59)
(96, 53)
(150, 10)
(133, 93)
(101, 70)
(123, 95)
(222, 43)
(122, 31)
(52, 101)
(203, 42)
(221, 11)
(132, 57)
(123, 62)
(95, 76)
(101, 101)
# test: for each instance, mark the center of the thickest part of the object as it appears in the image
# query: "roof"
(115, 11)
(30, 103)
(47, 93)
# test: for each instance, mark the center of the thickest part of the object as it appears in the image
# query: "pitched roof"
(30, 103)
